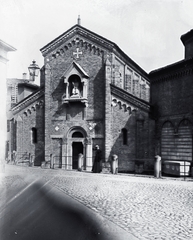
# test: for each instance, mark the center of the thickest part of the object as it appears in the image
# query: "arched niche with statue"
(75, 87)
(76, 80)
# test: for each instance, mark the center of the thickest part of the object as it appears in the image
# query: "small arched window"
(124, 136)
(34, 135)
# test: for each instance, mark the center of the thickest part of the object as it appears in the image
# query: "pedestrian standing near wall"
(97, 161)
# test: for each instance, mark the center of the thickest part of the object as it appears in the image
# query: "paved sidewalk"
(145, 207)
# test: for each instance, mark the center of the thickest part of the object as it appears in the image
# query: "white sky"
(148, 31)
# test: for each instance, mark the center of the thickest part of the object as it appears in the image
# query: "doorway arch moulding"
(80, 136)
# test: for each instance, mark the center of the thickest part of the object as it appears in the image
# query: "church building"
(91, 93)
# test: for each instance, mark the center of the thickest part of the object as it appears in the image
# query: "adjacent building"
(171, 97)
(5, 48)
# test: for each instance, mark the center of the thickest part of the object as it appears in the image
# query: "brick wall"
(172, 96)
(65, 116)
(140, 134)
(23, 138)
(108, 110)
(126, 153)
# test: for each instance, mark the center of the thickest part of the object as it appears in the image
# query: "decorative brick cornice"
(89, 39)
(173, 71)
(174, 75)
(79, 42)
(127, 97)
(27, 101)
(96, 38)
(76, 30)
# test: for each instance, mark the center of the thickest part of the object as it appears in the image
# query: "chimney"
(79, 21)
(187, 40)
(24, 76)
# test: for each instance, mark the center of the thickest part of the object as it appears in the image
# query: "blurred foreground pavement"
(57, 204)
(31, 208)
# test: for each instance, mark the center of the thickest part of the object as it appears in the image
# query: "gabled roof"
(78, 68)
(135, 101)
(28, 84)
(78, 29)
(4, 49)
(28, 100)
(6, 46)
(101, 41)
(21, 82)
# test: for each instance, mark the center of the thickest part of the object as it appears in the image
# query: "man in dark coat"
(97, 161)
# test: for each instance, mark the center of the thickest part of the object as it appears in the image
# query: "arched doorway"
(78, 142)
(77, 148)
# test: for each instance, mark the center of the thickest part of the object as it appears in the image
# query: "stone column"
(67, 88)
(89, 162)
(51, 160)
(84, 81)
(67, 151)
(64, 154)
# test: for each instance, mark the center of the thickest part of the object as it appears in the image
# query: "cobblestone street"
(146, 207)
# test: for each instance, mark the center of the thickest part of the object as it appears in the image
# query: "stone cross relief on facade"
(77, 53)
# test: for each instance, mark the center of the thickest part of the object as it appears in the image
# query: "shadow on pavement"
(42, 212)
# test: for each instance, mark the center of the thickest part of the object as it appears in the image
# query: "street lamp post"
(33, 70)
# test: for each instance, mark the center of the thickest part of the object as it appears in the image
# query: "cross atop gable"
(71, 33)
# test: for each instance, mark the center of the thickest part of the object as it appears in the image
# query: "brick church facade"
(90, 93)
